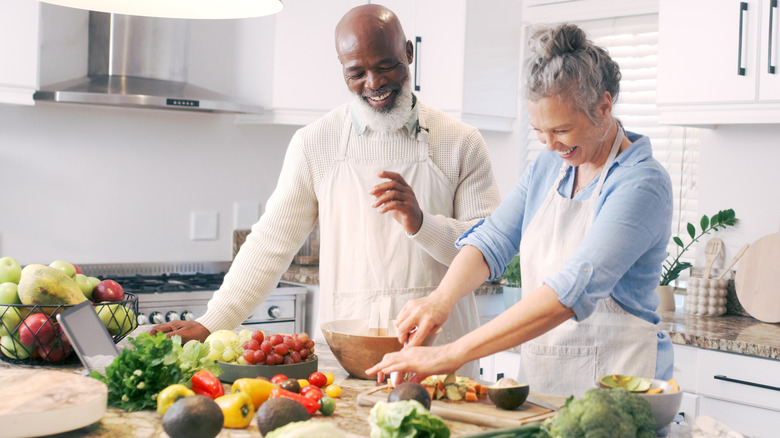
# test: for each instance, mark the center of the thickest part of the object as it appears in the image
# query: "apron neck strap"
(612, 154)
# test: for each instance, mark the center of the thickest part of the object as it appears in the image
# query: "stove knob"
(156, 318)
(142, 319)
(172, 316)
(274, 311)
(187, 316)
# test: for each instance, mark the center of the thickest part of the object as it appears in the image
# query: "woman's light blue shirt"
(624, 249)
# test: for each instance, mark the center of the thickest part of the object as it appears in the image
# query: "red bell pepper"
(310, 404)
(205, 383)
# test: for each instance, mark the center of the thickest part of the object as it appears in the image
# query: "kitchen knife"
(541, 403)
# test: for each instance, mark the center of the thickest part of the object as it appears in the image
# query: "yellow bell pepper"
(258, 389)
(237, 409)
(169, 395)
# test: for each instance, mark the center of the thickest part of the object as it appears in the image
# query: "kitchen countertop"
(310, 274)
(348, 416)
(729, 333)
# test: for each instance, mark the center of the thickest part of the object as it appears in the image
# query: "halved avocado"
(508, 394)
(631, 383)
(410, 391)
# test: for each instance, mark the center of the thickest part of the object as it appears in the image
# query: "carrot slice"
(470, 396)
(654, 391)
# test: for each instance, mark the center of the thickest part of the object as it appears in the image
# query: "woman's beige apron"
(365, 255)
(570, 358)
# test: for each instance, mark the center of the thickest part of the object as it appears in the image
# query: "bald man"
(393, 182)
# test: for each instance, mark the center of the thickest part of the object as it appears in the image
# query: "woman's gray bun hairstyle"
(562, 60)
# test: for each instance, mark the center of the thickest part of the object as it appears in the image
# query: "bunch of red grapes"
(278, 349)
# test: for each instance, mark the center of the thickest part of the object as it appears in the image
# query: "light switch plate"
(204, 225)
(245, 214)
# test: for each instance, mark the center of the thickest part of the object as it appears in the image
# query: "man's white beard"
(392, 120)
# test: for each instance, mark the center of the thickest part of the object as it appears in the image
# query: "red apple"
(55, 351)
(78, 270)
(37, 329)
(108, 290)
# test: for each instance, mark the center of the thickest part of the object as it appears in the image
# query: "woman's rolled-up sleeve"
(623, 251)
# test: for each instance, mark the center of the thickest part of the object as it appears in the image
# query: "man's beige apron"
(569, 359)
(365, 255)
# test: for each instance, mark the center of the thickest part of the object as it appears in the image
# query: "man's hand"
(188, 330)
(397, 197)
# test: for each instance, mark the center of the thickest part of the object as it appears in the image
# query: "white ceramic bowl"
(665, 405)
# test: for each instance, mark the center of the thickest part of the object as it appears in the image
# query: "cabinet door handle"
(743, 6)
(417, 44)
(745, 382)
(772, 59)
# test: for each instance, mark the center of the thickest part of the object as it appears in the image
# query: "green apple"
(10, 318)
(95, 281)
(12, 348)
(85, 284)
(10, 270)
(65, 267)
(118, 319)
(9, 293)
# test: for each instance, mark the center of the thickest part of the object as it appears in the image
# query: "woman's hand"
(417, 362)
(421, 317)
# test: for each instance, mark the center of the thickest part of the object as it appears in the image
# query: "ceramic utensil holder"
(706, 296)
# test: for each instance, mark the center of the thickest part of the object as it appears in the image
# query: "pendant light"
(190, 9)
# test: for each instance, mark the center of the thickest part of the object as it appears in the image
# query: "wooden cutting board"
(758, 279)
(36, 402)
(482, 412)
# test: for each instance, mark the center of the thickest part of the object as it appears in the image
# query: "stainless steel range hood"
(140, 62)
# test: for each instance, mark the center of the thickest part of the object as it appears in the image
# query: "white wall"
(95, 184)
(739, 170)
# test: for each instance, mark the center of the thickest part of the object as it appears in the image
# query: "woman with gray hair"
(590, 218)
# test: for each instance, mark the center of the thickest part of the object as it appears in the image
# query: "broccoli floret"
(603, 413)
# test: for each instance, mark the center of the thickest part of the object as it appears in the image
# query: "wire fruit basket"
(30, 334)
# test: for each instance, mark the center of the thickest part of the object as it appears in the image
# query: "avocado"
(508, 394)
(410, 391)
(195, 416)
(277, 412)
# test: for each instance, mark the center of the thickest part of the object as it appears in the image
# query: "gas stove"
(171, 291)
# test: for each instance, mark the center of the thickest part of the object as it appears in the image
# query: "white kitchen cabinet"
(19, 29)
(467, 57)
(717, 70)
(741, 391)
(467, 65)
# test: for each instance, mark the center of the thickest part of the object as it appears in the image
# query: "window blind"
(632, 41)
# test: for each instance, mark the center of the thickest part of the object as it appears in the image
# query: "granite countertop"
(348, 416)
(310, 274)
(729, 333)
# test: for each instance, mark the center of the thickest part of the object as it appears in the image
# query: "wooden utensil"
(481, 412)
(734, 261)
(758, 279)
(711, 252)
(36, 402)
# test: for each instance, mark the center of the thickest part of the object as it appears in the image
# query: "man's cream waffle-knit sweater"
(458, 150)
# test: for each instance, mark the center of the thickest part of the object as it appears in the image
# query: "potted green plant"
(511, 283)
(673, 267)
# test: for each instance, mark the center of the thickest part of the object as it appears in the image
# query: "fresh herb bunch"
(138, 374)
(673, 267)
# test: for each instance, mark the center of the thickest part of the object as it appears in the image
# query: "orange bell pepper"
(259, 390)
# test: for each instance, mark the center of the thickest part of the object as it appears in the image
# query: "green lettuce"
(138, 374)
(405, 419)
